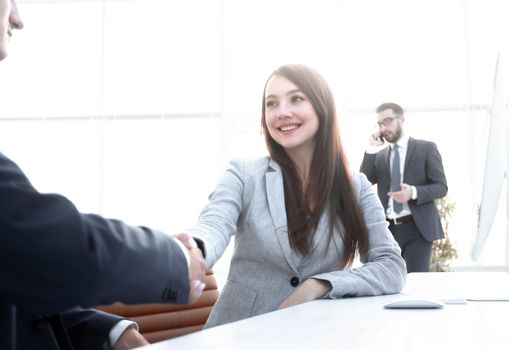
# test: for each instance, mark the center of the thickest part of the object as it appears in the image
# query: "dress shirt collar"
(402, 142)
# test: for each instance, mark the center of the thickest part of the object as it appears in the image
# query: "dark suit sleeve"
(53, 258)
(368, 167)
(88, 328)
(436, 186)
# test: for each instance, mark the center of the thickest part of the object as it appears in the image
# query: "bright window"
(132, 107)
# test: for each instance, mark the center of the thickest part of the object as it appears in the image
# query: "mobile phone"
(381, 138)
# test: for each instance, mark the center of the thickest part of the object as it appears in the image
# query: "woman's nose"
(14, 17)
(284, 110)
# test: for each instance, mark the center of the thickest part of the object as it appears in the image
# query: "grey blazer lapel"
(385, 166)
(383, 176)
(276, 199)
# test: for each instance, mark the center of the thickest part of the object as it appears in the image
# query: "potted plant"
(443, 252)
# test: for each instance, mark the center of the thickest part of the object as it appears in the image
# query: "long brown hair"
(330, 182)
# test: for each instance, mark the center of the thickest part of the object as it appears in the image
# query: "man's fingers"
(188, 241)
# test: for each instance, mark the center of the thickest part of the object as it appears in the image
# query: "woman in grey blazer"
(299, 216)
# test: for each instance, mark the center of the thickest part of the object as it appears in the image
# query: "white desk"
(363, 323)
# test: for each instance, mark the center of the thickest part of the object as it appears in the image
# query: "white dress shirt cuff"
(414, 192)
(375, 149)
(119, 329)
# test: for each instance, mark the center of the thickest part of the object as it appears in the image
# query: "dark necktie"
(396, 178)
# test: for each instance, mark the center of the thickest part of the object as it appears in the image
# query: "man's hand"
(130, 339)
(403, 195)
(376, 140)
(309, 290)
(197, 267)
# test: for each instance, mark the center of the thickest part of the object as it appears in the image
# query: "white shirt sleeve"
(118, 330)
(375, 149)
(414, 192)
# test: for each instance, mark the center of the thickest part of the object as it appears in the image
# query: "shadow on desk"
(159, 322)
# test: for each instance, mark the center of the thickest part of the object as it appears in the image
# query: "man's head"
(391, 118)
(9, 20)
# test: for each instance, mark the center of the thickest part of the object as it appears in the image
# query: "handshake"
(197, 266)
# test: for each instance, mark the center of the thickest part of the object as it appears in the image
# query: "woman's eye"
(297, 98)
(271, 104)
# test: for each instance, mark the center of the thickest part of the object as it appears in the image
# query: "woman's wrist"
(317, 288)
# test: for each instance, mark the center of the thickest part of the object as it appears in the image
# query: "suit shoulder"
(251, 166)
(258, 162)
(360, 182)
(424, 143)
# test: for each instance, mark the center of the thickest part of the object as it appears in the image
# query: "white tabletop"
(363, 323)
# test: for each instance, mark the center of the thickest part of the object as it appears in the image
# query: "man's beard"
(396, 135)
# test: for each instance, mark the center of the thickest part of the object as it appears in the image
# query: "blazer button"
(294, 281)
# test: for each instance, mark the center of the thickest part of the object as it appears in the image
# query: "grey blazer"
(249, 203)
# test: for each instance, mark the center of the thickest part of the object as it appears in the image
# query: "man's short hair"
(397, 109)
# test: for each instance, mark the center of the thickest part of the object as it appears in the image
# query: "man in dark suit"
(55, 260)
(409, 175)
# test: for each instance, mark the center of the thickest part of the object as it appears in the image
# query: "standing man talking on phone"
(410, 176)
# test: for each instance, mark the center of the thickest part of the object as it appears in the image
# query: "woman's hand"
(197, 267)
(309, 290)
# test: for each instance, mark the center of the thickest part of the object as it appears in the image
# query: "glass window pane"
(162, 57)
(54, 66)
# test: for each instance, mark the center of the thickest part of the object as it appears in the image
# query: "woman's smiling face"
(290, 117)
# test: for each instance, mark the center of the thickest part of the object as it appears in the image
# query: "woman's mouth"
(289, 128)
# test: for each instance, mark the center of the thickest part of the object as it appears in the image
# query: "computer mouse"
(409, 302)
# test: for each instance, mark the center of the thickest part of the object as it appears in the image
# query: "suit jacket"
(423, 169)
(77, 329)
(53, 258)
(249, 202)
